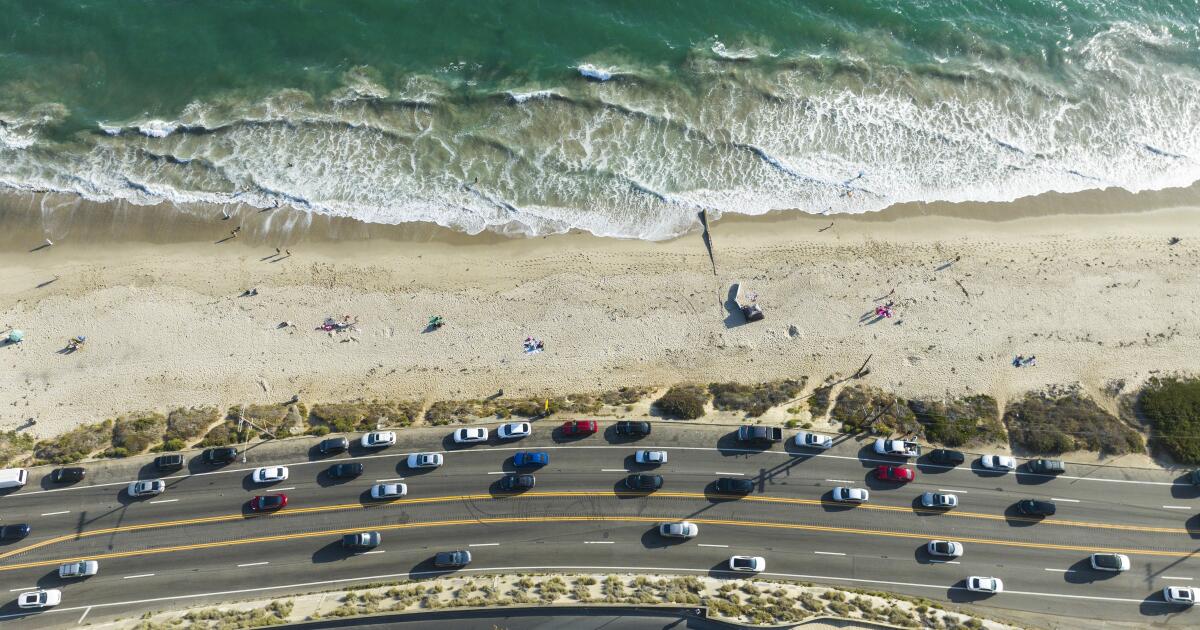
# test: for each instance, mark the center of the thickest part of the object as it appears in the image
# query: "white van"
(13, 477)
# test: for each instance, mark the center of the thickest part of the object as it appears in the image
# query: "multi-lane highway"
(198, 543)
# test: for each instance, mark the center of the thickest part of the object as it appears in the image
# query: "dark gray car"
(452, 559)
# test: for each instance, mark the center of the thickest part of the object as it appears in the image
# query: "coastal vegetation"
(685, 402)
(757, 398)
(1058, 421)
(1172, 406)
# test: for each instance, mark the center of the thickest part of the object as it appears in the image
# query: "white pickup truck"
(898, 448)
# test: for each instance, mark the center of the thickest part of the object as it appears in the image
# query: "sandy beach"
(1090, 284)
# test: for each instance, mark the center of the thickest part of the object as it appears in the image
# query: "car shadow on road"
(829, 505)
(927, 466)
(612, 437)
(1014, 518)
(404, 470)
(332, 552)
(1027, 477)
(1183, 488)
(51, 580)
(920, 510)
(722, 571)
(729, 445)
(959, 594)
(1193, 526)
(1155, 606)
(1082, 573)
(623, 491)
(559, 437)
(651, 539)
(978, 468)
(427, 569)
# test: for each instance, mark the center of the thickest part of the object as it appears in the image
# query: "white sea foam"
(157, 128)
(596, 73)
(743, 54)
(521, 97)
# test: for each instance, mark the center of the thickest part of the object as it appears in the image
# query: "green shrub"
(862, 408)
(624, 395)
(117, 452)
(318, 430)
(960, 421)
(683, 401)
(1065, 420)
(756, 399)
(1172, 406)
(366, 416)
(187, 424)
(74, 445)
(278, 420)
(15, 447)
(136, 433)
(224, 434)
(175, 444)
(819, 399)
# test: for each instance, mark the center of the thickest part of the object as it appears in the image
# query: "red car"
(895, 473)
(579, 427)
(268, 503)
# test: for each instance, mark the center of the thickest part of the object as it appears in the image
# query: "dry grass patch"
(1058, 421)
(134, 434)
(15, 447)
(960, 421)
(755, 399)
(74, 445)
(862, 408)
(685, 401)
(186, 424)
(366, 416)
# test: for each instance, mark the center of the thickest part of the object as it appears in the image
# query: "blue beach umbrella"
(16, 336)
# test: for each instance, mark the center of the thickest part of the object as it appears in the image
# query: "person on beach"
(1019, 360)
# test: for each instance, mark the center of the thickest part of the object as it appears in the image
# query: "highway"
(198, 543)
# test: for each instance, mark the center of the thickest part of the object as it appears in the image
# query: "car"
(895, 473)
(332, 445)
(385, 491)
(980, 584)
(732, 485)
(452, 559)
(1047, 467)
(897, 448)
(1185, 595)
(424, 460)
(632, 428)
(146, 488)
(944, 548)
(644, 483)
(1034, 507)
(83, 568)
(650, 458)
(813, 440)
(517, 483)
(682, 529)
(68, 475)
(531, 458)
(1115, 562)
(168, 462)
(40, 598)
(219, 455)
(361, 540)
(1194, 477)
(14, 532)
(748, 564)
(576, 428)
(348, 470)
(946, 457)
(470, 435)
(514, 430)
(378, 439)
(939, 500)
(843, 494)
(1003, 463)
(270, 474)
(268, 502)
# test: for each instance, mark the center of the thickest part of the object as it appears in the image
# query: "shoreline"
(1098, 297)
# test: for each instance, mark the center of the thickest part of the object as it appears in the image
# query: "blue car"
(531, 458)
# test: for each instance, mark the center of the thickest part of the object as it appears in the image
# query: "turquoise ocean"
(620, 118)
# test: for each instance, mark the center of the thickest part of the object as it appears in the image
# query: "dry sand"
(1096, 297)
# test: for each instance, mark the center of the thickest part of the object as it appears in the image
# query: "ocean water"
(621, 118)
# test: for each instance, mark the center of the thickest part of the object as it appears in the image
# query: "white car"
(682, 529)
(944, 548)
(378, 439)
(40, 599)
(813, 440)
(471, 435)
(979, 584)
(897, 448)
(1002, 463)
(83, 568)
(652, 458)
(843, 494)
(1115, 562)
(939, 500)
(748, 564)
(146, 488)
(388, 490)
(514, 430)
(270, 474)
(1185, 595)
(424, 460)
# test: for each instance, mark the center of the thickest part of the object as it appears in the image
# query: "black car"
(946, 457)
(333, 445)
(1194, 477)
(1047, 466)
(631, 428)
(361, 540)
(732, 485)
(451, 559)
(168, 462)
(1033, 507)
(645, 483)
(517, 482)
(14, 532)
(345, 471)
(219, 455)
(68, 475)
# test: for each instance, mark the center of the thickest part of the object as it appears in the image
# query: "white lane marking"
(140, 575)
(252, 564)
(387, 480)
(496, 472)
(281, 489)
(1176, 507)
(839, 481)
(613, 470)
(84, 615)
(23, 588)
(485, 545)
(829, 553)
(707, 545)
(417, 574)
(1168, 577)
(1059, 570)
(1067, 500)
(57, 513)
(730, 474)
(954, 491)
(598, 542)
(164, 501)
(952, 562)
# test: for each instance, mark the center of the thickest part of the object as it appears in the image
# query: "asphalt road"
(198, 541)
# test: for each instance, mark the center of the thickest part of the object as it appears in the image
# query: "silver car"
(424, 460)
(1115, 562)
(651, 457)
(682, 529)
(814, 440)
(83, 568)
(980, 584)
(384, 491)
(851, 495)
(146, 488)
(1185, 595)
(944, 548)
(939, 500)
